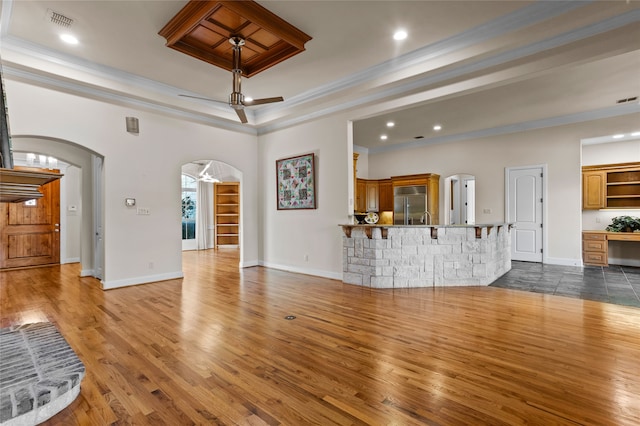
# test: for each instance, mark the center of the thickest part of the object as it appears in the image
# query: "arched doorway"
(81, 211)
(205, 216)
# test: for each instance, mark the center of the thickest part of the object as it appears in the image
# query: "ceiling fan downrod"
(236, 98)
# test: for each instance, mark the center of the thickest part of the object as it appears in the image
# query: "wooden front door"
(30, 231)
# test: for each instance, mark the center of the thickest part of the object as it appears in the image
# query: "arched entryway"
(81, 198)
(210, 204)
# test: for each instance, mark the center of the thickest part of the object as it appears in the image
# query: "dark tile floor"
(612, 284)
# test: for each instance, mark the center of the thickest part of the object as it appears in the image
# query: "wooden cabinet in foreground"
(611, 186)
(227, 213)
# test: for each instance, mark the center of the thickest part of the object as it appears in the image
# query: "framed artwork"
(296, 181)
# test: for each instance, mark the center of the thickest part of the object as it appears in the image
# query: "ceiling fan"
(237, 100)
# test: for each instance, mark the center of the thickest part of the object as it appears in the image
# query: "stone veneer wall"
(412, 257)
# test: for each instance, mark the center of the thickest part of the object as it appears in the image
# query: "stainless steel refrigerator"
(409, 204)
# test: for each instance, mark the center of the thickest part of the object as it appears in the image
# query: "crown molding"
(614, 111)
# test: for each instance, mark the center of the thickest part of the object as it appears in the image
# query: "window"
(189, 188)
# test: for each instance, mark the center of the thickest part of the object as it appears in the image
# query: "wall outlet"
(306, 257)
(597, 219)
(487, 211)
(143, 211)
(150, 265)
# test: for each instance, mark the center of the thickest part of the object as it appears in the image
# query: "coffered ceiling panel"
(202, 29)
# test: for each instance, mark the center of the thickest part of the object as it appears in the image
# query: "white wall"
(620, 252)
(288, 235)
(73, 197)
(139, 248)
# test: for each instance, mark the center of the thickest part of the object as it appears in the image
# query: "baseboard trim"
(70, 260)
(249, 264)
(87, 273)
(562, 261)
(108, 285)
(305, 271)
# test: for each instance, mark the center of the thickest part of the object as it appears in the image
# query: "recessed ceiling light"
(390, 124)
(400, 35)
(437, 127)
(383, 137)
(619, 136)
(635, 134)
(68, 38)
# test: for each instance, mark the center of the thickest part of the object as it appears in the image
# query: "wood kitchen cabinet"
(593, 190)
(595, 249)
(611, 186)
(361, 195)
(376, 195)
(385, 195)
(371, 187)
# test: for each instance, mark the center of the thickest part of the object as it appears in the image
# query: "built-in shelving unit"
(611, 186)
(623, 189)
(227, 214)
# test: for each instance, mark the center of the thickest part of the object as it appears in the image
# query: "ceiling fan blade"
(264, 101)
(205, 99)
(242, 116)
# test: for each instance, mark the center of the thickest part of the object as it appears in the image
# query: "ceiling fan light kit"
(202, 28)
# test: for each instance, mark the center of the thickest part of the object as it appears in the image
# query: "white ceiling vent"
(59, 19)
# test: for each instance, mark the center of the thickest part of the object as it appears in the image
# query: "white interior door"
(469, 201)
(524, 209)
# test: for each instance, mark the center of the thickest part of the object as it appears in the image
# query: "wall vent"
(59, 19)
(622, 101)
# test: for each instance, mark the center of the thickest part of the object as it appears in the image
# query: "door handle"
(56, 230)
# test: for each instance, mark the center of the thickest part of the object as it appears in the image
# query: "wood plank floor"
(215, 348)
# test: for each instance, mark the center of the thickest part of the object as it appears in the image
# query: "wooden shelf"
(633, 182)
(227, 213)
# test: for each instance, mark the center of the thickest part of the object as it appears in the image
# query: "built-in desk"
(595, 245)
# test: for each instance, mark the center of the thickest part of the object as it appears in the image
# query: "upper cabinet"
(593, 190)
(372, 195)
(611, 186)
(385, 195)
(361, 195)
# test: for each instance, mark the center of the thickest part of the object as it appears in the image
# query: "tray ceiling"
(202, 29)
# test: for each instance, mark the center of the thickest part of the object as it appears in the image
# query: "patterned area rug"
(39, 374)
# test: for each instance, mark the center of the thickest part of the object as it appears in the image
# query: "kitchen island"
(402, 256)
